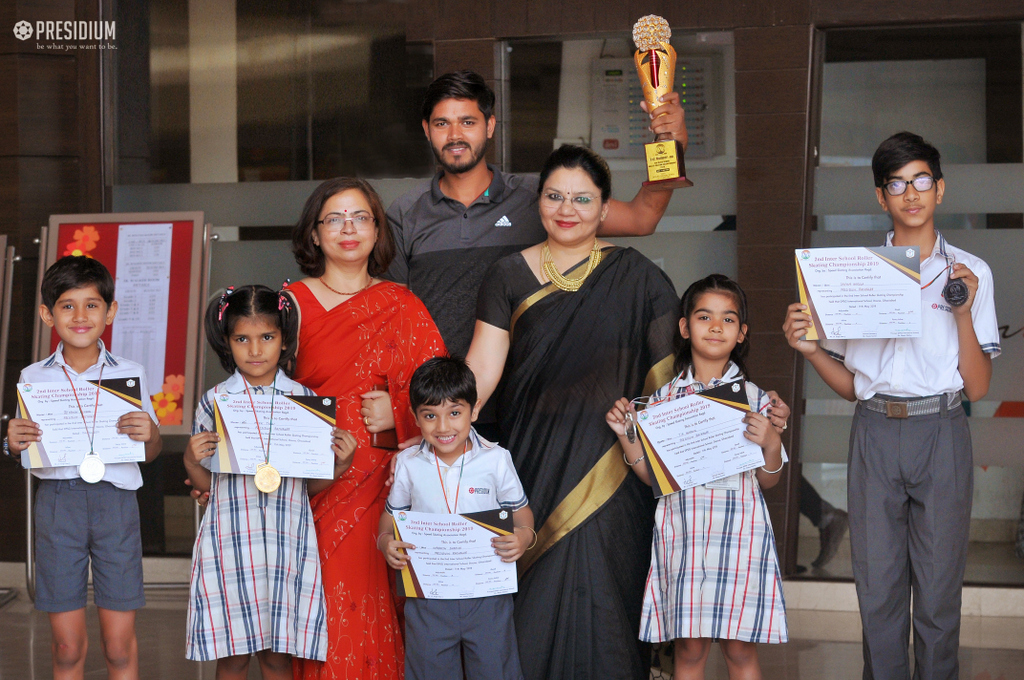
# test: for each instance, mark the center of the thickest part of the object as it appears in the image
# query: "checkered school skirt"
(714, 569)
(256, 574)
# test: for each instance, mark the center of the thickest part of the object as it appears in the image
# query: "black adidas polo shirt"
(444, 248)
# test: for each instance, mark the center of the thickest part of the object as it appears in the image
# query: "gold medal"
(267, 478)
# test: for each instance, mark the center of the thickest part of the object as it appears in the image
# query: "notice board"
(156, 261)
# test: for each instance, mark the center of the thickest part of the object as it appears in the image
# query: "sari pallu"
(571, 356)
(382, 331)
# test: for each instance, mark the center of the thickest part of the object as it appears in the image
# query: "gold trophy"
(656, 65)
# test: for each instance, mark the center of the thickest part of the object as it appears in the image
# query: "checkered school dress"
(255, 571)
(714, 569)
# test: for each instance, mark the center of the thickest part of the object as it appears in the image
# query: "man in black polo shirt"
(450, 230)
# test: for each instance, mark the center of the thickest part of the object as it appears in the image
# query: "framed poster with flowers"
(156, 261)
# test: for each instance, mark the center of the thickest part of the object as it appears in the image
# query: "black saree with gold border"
(571, 356)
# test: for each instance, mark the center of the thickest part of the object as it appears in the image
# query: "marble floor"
(823, 646)
(988, 563)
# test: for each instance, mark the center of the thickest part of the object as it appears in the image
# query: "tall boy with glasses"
(910, 477)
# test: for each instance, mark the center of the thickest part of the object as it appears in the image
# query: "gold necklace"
(564, 282)
(338, 292)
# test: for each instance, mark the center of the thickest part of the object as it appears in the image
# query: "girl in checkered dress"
(714, 570)
(256, 586)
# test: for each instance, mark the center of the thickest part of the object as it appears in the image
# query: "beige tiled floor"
(823, 646)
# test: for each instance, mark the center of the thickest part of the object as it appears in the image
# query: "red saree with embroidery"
(382, 331)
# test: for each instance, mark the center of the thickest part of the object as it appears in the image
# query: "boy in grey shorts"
(78, 521)
(455, 471)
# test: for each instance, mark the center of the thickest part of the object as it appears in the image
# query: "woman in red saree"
(356, 331)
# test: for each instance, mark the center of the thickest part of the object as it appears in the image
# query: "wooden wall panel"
(771, 135)
(47, 103)
(462, 19)
(50, 162)
(778, 91)
(456, 55)
(772, 190)
(834, 13)
(767, 49)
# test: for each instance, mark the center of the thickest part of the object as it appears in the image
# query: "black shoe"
(832, 532)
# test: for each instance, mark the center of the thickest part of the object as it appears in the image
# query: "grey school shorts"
(76, 521)
(443, 637)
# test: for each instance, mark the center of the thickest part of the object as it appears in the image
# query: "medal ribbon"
(95, 409)
(948, 269)
(458, 486)
(270, 430)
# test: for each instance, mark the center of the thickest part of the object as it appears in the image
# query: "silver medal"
(91, 469)
(630, 427)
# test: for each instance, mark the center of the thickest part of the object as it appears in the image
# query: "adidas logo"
(503, 222)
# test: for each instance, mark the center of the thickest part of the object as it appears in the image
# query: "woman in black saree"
(569, 344)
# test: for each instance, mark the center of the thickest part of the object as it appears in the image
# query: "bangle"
(383, 533)
(7, 447)
(626, 460)
(775, 472)
(523, 526)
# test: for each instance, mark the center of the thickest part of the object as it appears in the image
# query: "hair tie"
(283, 302)
(223, 304)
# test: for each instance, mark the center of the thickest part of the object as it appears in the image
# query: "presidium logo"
(79, 31)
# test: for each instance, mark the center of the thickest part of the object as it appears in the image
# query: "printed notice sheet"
(698, 438)
(143, 284)
(299, 434)
(857, 293)
(65, 440)
(454, 558)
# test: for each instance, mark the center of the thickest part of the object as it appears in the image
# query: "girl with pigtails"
(256, 582)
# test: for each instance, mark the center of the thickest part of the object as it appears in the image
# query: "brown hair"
(308, 255)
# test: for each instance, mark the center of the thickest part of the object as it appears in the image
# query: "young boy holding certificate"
(88, 511)
(910, 466)
(453, 470)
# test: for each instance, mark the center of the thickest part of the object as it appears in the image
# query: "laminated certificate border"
(300, 438)
(860, 292)
(697, 438)
(65, 442)
(454, 558)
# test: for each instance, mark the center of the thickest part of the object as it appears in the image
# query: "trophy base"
(668, 184)
(665, 167)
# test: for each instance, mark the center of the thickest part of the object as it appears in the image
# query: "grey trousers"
(910, 485)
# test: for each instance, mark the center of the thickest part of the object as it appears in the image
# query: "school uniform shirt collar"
(938, 248)
(236, 384)
(477, 446)
(493, 194)
(732, 372)
(57, 358)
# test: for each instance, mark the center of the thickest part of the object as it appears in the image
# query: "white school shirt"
(122, 475)
(920, 367)
(489, 480)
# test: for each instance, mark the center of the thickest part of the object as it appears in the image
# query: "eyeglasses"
(336, 221)
(552, 200)
(898, 187)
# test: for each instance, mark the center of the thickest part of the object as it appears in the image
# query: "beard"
(468, 162)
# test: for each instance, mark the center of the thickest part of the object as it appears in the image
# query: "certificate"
(698, 439)
(65, 440)
(299, 434)
(454, 558)
(858, 293)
